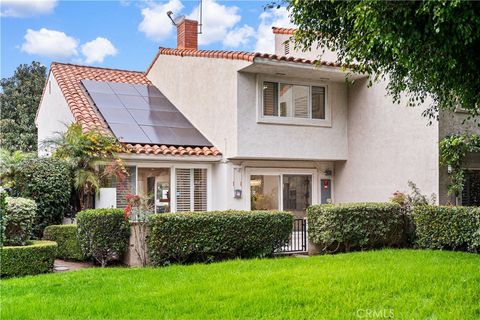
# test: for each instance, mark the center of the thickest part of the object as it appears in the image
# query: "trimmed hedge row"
(103, 234)
(354, 226)
(216, 235)
(65, 236)
(35, 258)
(446, 227)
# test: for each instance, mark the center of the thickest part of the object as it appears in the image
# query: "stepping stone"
(60, 268)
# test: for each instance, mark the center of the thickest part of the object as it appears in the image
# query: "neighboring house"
(215, 130)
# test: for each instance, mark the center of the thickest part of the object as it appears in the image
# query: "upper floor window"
(286, 100)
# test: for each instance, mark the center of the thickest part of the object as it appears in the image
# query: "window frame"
(280, 172)
(173, 178)
(261, 118)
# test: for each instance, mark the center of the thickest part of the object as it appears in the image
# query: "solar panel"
(142, 114)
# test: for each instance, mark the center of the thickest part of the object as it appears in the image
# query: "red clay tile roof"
(165, 150)
(278, 30)
(69, 76)
(237, 55)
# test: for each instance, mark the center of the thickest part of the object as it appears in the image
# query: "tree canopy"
(423, 48)
(19, 102)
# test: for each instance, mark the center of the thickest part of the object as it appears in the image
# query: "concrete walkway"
(65, 266)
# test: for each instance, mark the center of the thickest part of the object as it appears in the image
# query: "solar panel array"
(142, 114)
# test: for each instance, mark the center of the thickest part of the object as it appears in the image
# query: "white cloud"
(96, 50)
(268, 19)
(24, 8)
(239, 37)
(217, 21)
(49, 43)
(58, 45)
(155, 24)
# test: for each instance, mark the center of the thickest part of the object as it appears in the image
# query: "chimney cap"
(178, 20)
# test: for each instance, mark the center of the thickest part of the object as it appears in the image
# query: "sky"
(125, 34)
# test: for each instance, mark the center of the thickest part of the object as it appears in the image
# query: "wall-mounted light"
(449, 169)
(327, 172)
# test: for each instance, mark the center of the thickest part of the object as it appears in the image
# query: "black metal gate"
(298, 238)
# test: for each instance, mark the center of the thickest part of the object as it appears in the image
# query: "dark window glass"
(471, 189)
(296, 194)
(270, 99)
(318, 102)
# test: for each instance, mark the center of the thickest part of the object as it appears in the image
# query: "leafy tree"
(19, 101)
(93, 158)
(420, 47)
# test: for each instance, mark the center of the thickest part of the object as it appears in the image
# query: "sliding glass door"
(289, 192)
(264, 192)
(297, 194)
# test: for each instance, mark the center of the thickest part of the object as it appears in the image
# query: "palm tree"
(9, 165)
(93, 157)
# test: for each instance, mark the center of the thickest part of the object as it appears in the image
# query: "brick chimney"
(187, 34)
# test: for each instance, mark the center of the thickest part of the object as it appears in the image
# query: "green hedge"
(35, 258)
(65, 235)
(446, 227)
(103, 234)
(217, 235)
(355, 226)
(18, 220)
(49, 182)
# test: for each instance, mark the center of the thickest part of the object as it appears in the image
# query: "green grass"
(402, 284)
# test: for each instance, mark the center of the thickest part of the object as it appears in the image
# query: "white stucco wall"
(283, 141)
(280, 39)
(205, 91)
(222, 103)
(53, 115)
(388, 144)
(230, 175)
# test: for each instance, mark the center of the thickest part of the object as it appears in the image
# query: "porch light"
(327, 172)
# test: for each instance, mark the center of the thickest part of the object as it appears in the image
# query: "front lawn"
(399, 284)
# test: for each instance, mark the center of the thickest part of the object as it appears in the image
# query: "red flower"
(127, 211)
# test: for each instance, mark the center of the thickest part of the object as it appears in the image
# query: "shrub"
(103, 234)
(18, 220)
(212, 236)
(356, 225)
(48, 181)
(34, 258)
(444, 227)
(65, 235)
(3, 212)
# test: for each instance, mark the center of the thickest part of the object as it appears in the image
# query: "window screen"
(270, 99)
(471, 188)
(318, 102)
(183, 190)
(191, 190)
(293, 101)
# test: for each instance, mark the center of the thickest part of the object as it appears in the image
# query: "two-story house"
(215, 130)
